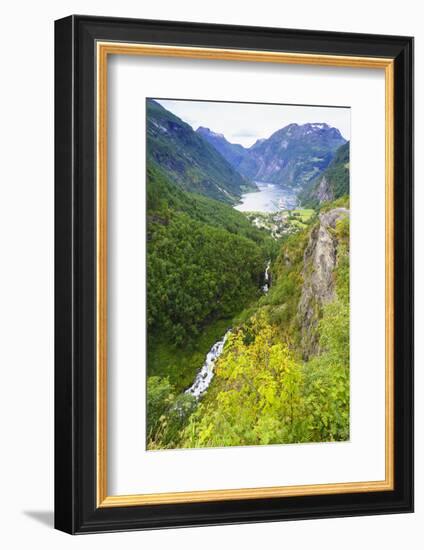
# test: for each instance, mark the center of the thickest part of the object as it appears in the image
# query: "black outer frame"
(75, 275)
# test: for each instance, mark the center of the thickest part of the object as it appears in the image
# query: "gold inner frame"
(104, 49)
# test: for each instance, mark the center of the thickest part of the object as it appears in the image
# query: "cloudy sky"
(246, 122)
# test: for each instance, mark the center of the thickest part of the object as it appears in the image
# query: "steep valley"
(248, 312)
(292, 156)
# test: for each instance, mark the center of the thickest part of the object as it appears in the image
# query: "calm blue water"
(270, 198)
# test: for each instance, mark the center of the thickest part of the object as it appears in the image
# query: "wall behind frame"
(26, 274)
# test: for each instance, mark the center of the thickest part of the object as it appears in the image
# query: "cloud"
(244, 133)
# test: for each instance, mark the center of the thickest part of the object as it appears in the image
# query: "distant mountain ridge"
(189, 160)
(294, 155)
(234, 153)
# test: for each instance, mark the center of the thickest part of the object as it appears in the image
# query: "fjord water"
(270, 197)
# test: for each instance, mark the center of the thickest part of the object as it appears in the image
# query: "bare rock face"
(323, 192)
(320, 260)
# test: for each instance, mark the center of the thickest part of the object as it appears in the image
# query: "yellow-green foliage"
(265, 396)
(259, 401)
(327, 377)
(284, 294)
(303, 214)
(341, 202)
(280, 303)
(166, 413)
(263, 393)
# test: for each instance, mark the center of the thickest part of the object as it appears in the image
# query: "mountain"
(293, 155)
(332, 184)
(232, 152)
(189, 160)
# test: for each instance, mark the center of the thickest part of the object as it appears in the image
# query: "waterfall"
(206, 373)
(266, 285)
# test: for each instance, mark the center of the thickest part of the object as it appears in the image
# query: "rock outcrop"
(320, 260)
(323, 191)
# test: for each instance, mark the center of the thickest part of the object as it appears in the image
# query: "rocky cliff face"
(323, 191)
(320, 260)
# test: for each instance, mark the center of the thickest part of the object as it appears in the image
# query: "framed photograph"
(234, 269)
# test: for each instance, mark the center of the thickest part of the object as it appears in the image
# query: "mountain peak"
(203, 131)
(300, 130)
(293, 155)
(317, 125)
(320, 128)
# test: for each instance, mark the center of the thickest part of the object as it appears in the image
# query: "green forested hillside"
(164, 195)
(189, 160)
(263, 391)
(205, 261)
(332, 184)
(338, 172)
(197, 273)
